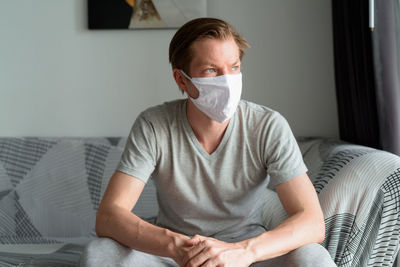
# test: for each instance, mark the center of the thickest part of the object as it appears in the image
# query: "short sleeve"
(139, 156)
(283, 156)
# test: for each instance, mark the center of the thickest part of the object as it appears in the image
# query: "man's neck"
(208, 132)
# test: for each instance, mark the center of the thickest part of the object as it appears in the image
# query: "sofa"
(50, 189)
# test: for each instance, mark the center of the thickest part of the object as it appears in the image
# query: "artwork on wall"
(143, 14)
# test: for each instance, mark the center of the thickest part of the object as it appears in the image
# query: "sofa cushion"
(50, 188)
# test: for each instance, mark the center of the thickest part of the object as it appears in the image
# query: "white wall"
(57, 78)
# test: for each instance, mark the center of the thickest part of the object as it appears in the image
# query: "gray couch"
(50, 189)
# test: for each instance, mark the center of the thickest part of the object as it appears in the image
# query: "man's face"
(213, 57)
(210, 57)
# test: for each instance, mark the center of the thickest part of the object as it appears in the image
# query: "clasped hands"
(210, 252)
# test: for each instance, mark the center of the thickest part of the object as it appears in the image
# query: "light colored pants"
(105, 252)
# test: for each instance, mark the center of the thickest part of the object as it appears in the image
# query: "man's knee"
(108, 252)
(310, 255)
(106, 245)
(103, 252)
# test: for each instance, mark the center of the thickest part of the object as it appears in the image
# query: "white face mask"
(219, 96)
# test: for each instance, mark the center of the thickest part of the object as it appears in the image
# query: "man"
(211, 157)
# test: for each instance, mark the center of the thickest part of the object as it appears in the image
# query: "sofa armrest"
(358, 188)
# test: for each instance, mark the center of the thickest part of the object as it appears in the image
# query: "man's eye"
(234, 68)
(210, 70)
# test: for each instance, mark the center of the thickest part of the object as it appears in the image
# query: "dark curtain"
(354, 73)
(366, 74)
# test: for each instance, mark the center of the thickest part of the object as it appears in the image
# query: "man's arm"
(115, 220)
(305, 225)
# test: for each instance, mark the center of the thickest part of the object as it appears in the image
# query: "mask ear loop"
(186, 76)
(190, 79)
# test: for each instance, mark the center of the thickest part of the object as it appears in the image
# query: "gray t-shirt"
(219, 194)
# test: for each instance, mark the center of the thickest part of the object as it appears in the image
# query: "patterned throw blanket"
(50, 189)
(359, 192)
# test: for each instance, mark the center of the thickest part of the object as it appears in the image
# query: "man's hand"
(206, 251)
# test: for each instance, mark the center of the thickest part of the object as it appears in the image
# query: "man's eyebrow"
(209, 63)
(205, 63)
(237, 61)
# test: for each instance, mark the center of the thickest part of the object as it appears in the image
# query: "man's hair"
(180, 54)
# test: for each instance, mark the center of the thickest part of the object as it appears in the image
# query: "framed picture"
(143, 14)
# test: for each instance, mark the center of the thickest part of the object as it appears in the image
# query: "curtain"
(366, 73)
(386, 55)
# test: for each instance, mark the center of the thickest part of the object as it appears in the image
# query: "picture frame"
(143, 14)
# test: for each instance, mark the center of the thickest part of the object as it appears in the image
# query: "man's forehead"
(210, 49)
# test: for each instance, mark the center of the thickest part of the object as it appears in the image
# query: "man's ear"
(180, 80)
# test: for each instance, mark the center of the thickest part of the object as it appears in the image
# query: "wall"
(57, 78)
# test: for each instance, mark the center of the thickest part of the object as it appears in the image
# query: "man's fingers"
(193, 252)
(205, 253)
(194, 240)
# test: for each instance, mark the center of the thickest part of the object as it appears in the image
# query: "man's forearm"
(298, 230)
(133, 232)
